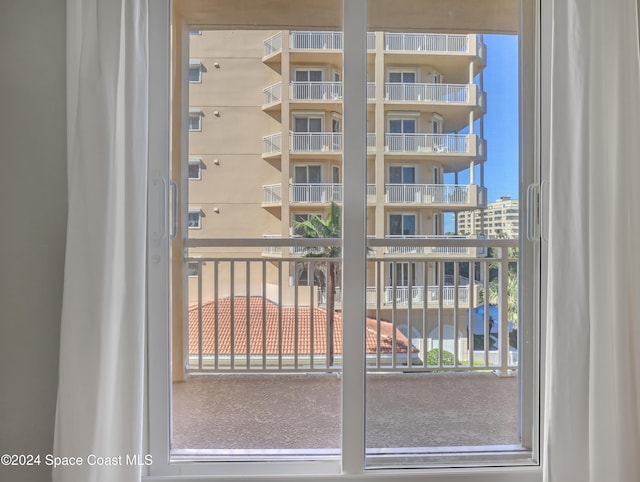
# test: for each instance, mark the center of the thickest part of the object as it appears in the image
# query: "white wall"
(32, 225)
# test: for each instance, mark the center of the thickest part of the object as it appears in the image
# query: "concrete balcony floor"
(235, 411)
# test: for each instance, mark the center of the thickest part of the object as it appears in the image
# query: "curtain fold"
(592, 418)
(101, 384)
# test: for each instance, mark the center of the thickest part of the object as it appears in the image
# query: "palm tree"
(512, 295)
(329, 227)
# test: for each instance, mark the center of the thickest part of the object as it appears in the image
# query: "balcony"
(450, 196)
(273, 45)
(315, 142)
(442, 251)
(294, 411)
(426, 43)
(320, 91)
(393, 42)
(435, 144)
(272, 195)
(301, 40)
(428, 93)
(272, 145)
(240, 327)
(315, 193)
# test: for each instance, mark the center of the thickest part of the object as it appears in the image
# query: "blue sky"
(500, 121)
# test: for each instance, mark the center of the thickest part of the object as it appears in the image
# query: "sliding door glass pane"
(256, 343)
(443, 171)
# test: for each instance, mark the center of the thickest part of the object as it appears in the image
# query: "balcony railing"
(434, 143)
(316, 91)
(272, 143)
(273, 44)
(316, 141)
(433, 250)
(272, 94)
(395, 42)
(315, 193)
(300, 40)
(443, 194)
(272, 194)
(249, 314)
(371, 90)
(437, 93)
(422, 42)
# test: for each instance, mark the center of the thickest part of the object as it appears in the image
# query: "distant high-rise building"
(501, 219)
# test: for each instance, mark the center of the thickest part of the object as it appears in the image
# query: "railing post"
(503, 334)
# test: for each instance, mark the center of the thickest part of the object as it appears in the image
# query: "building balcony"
(298, 413)
(449, 196)
(315, 142)
(301, 143)
(432, 144)
(446, 251)
(412, 43)
(438, 44)
(315, 193)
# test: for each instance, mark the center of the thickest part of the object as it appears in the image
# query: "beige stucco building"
(265, 151)
(257, 145)
(265, 132)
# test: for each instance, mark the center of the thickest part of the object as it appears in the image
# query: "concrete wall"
(33, 221)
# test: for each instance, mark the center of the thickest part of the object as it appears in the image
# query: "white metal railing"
(442, 93)
(300, 40)
(371, 41)
(272, 194)
(434, 143)
(371, 90)
(427, 193)
(371, 193)
(371, 141)
(285, 326)
(273, 93)
(315, 193)
(402, 42)
(316, 141)
(273, 44)
(423, 42)
(439, 250)
(316, 91)
(272, 143)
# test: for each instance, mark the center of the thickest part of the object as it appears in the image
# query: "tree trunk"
(331, 300)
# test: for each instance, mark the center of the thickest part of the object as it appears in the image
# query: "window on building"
(195, 169)
(195, 74)
(195, 121)
(404, 77)
(194, 219)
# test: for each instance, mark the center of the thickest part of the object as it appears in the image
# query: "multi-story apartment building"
(265, 151)
(501, 219)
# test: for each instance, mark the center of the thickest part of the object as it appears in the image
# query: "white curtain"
(592, 421)
(101, 385)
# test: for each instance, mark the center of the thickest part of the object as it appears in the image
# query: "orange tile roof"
(277, 321)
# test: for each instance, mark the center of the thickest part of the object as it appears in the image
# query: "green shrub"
(433, 357)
